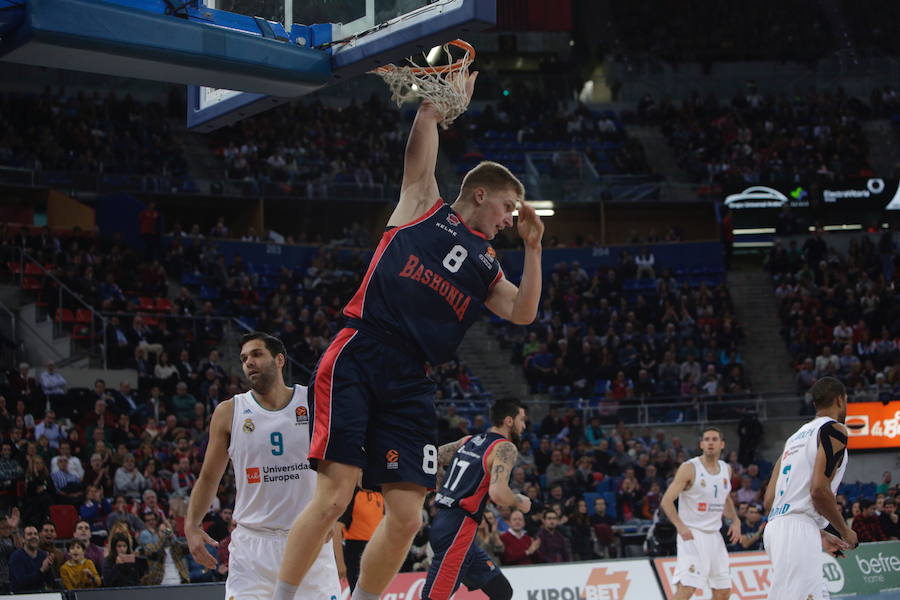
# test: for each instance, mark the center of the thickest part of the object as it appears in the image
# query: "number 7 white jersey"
(701, 505)
(269, 451)
(792, 495)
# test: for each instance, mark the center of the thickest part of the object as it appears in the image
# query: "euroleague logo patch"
(393, 459)
(302, 415)
(453, 219)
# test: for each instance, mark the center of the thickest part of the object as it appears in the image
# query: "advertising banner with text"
(607, 580)
(870, 569)
(873, 425)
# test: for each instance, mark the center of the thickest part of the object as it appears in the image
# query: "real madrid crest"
(702, 481)
(248, 426)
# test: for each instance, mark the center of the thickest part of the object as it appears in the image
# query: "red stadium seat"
(31, 284)
(83, 315)
(163, 305)
(64, 315)
(64, 516)
(14, 267)
(33, 269)
(145, 303)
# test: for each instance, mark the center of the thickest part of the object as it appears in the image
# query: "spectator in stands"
(162, 549)
(50, 429)
(128, 480)
(866, 524)
(120, 568)
(79, 572)
(26, 388)
(122, 514)
(53, 384)
(97, 475)
(68, 486)
(11, 475)
(645, 261)
(519, 548)
(746, 493)
(48, 544)
(65, 451)
(183, 480)
(83, 534)
(751, 530)
(603, 523)
(95, 510)
(30, 568)
(558, 472)
(554, 546)
(890, 523)
(183, 403)
(38, 490)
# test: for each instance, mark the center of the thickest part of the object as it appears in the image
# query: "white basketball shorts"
(256, 558)
(794, 546)
(703, 561)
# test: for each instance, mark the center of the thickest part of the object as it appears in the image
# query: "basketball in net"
(442, 85)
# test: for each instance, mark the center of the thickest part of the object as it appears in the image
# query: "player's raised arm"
(419, 189)
(501, 462)
(214, 463)
(519, 304)
(681, 482)
(832, 442)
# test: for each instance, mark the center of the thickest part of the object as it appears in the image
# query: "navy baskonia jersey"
(427, 282)
(467, 480)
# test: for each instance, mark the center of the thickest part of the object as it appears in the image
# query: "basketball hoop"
(442, 85)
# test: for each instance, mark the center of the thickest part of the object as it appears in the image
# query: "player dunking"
(373, 406)
(480, 469)
(265, 432)
(702, 486)
(801, 499)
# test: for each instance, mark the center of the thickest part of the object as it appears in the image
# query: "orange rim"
(465, 61)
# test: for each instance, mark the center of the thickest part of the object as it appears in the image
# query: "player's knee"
(404, 525)
(498, 588)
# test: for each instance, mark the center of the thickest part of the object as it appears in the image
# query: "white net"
(444, 86)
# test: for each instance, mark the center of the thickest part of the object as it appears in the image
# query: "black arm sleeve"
(833, 459)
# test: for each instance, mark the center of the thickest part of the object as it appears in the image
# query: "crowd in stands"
(754, 138)
(839, 312)
(710, 31)
(302, 147)
(635, 334)
(567, 141)
(87, 133)
(868, 26)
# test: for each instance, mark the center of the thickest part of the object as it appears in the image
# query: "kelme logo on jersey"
(302, 415)
(253, 475)
(248, 426)
(393, 459)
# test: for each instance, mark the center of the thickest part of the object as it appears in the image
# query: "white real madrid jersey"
(269, 450)
(701, 505)
(792, 494)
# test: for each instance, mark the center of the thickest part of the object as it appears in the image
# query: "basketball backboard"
(358, 35)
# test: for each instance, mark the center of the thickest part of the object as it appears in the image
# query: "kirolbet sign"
(607, 580)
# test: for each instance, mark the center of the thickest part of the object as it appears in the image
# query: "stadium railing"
(68, 311)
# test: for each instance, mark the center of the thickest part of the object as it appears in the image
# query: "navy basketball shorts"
(457, 558)
(373, 407)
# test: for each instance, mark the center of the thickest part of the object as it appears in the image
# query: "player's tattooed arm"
(503, 459)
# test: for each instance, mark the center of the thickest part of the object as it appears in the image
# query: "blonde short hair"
(492, 176)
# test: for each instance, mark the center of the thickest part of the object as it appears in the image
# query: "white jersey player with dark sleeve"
(265, 433)
(801, 501)
(703, 488)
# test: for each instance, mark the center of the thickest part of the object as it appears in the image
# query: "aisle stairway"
(490, 363)
(765, 352)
